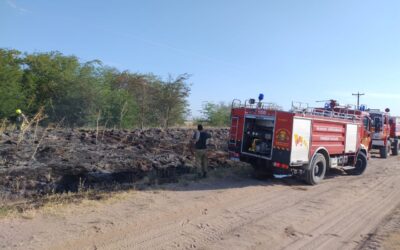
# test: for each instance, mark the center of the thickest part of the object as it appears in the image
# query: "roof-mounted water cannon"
(333, 103)
(330, 104)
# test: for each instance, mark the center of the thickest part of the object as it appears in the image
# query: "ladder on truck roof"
(346, 113)
(236, 103)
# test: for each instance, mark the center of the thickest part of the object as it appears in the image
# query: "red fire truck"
(394, 122)
(385, 132)
(303, 141)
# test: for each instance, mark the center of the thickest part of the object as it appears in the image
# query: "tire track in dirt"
(237, 214)
(154, 238)
(351, 219)
(285, 214)
(386, 235)
(175, 218)
(201, 233)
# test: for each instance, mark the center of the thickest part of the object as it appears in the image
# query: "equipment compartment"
(258, 136)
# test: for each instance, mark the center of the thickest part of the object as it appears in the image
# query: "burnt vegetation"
(66, 160)
(93, 128)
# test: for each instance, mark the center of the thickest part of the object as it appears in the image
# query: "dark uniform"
(200, 138)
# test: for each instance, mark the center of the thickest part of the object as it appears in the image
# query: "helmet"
(18, 111)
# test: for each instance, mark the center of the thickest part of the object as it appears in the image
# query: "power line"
(358, 94)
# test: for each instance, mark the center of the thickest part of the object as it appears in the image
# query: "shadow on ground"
(236, 177)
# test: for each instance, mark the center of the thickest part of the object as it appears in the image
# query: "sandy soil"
(387, 234)
(223, 213)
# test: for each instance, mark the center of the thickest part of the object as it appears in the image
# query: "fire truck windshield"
(377, 121)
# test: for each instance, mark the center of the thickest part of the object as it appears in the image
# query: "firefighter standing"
(200, 145)
(21, 119)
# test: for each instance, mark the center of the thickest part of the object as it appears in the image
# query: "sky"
(289, 50)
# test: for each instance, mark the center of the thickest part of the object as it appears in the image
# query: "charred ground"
(45, 161)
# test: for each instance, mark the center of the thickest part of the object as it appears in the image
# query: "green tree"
(143, 89)
(11, 94)
(64, 86)
(216, 114)
(116, 105)
(88, 93)
(172, 105)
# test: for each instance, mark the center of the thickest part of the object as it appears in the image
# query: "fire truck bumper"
(379, 143)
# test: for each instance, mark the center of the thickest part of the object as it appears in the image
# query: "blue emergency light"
(261, 97)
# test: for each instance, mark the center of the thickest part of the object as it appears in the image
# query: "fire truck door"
(300, 141)
(351, 138)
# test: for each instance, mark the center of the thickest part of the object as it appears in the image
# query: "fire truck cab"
(385, 132)
(303, 141)
(394, 123)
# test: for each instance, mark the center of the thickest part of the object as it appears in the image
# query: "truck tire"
(383, 151)
(395, 149)
(360, 166)
(315, 171)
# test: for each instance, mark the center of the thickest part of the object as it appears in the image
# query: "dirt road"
(235, 212)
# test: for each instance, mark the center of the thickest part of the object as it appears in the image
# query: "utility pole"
(358, 98)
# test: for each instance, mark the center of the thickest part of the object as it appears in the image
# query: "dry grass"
(3, 125)
(56, 203)
(27, 125)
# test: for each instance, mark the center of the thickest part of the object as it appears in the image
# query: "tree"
(57, 87)
(117, 105)
(12, 96)
(65, 87)
(216, 114)
(159, 103)
(88, 93)
(172, 101)
(140, 88)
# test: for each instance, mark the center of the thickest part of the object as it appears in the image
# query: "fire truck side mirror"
(252, 101)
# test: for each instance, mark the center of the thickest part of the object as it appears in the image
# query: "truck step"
(348, 167)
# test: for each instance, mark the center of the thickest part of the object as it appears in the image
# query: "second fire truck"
(385, 132)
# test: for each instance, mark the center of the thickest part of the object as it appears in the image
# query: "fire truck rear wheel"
(395, 149)
(361, 165)
(315, 172)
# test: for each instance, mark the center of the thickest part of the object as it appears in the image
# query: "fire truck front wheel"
(315, 171)
(384, 151)
(360, 166)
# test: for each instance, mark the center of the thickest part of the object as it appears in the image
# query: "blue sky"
(289, 50)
